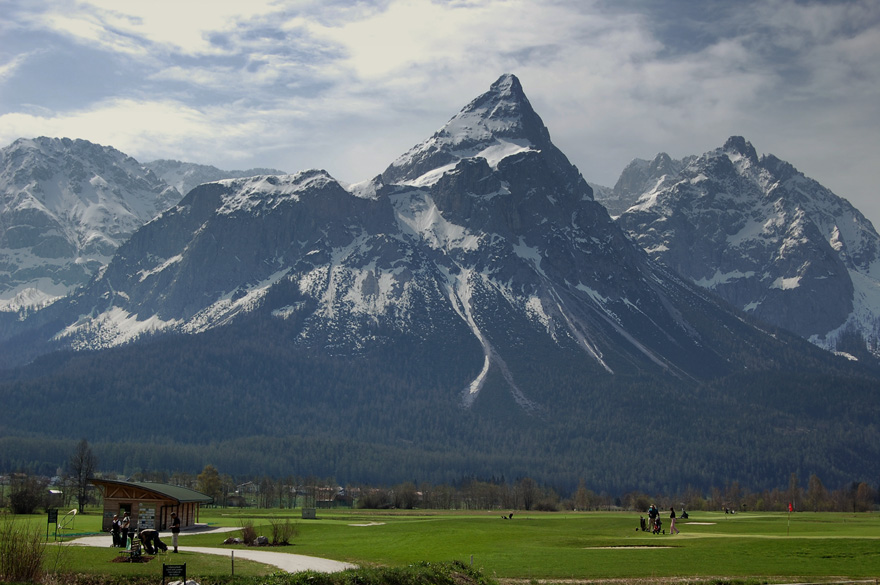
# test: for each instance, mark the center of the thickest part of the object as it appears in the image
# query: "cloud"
(10, 67)
(349, 86)
(89, 29)
(139, 28)
(134, 126)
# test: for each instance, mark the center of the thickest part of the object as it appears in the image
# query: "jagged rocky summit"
(65, 207)
(764, 237)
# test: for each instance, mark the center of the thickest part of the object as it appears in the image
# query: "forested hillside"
(256, 407)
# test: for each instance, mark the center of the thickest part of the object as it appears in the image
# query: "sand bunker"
(700, 523)
(625, 547)
(369, 524)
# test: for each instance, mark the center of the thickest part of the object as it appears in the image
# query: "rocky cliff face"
(639, 177)
(65, 207)
(765, 238)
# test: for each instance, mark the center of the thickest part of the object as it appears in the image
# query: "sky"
(348, 86)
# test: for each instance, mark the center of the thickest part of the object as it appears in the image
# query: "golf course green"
(558, 546)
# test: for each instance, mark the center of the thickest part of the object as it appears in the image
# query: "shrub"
(27, 493)
(282, 530)
(22, 548)
(248, 533)
(547, 505)
(444, 573)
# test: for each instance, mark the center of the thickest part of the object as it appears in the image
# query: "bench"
(133, 549)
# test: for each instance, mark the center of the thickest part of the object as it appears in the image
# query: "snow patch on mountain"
(111, 328)
(228, 306)
(722, 278)
(864, 318)
(185, 176)
(144, 274)
(65, 207)
(268, 192)
(460, 292)
(417, 215)
(530, 254)
(786, 283)
(591, 348)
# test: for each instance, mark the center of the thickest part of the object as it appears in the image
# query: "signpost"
(53, 519)
(174, 571)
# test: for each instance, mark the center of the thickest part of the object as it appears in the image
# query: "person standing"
(114, 529)
(672, 528)
(123, 530)
(175, 529)
(653, 516)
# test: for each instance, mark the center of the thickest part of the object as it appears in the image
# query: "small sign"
(174, 571)
(52, 521)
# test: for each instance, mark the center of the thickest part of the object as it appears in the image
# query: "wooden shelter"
(150, 504)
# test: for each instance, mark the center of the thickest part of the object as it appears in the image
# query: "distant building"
(150, 504)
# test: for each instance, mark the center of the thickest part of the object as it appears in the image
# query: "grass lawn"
(594, 545)
(100, 561)
(555, 546)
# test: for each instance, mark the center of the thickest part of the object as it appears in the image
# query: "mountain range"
(66, 206)
(470, 310)
(764, 237)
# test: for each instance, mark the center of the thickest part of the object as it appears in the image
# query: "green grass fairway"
(553, 545)
(600, 545)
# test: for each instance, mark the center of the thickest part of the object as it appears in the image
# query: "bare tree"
(528, 491)
(81, 468)
(817, 495)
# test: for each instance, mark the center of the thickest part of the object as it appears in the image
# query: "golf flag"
(790, 507)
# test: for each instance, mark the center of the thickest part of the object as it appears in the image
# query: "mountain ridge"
(558, 260)
(185, 176)
(766, 238)
(66, 206)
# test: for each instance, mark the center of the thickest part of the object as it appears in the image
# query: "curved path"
(291, 563)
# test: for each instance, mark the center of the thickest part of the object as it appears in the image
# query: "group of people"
(119, 529)
(149, 537)
(655, 525)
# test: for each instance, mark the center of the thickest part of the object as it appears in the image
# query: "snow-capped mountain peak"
(766, 238)
(497, 124)
(737, 147)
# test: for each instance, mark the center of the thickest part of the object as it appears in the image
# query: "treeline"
(471, 493)
(25, 493)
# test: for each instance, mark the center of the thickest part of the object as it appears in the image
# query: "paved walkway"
(288, 562)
